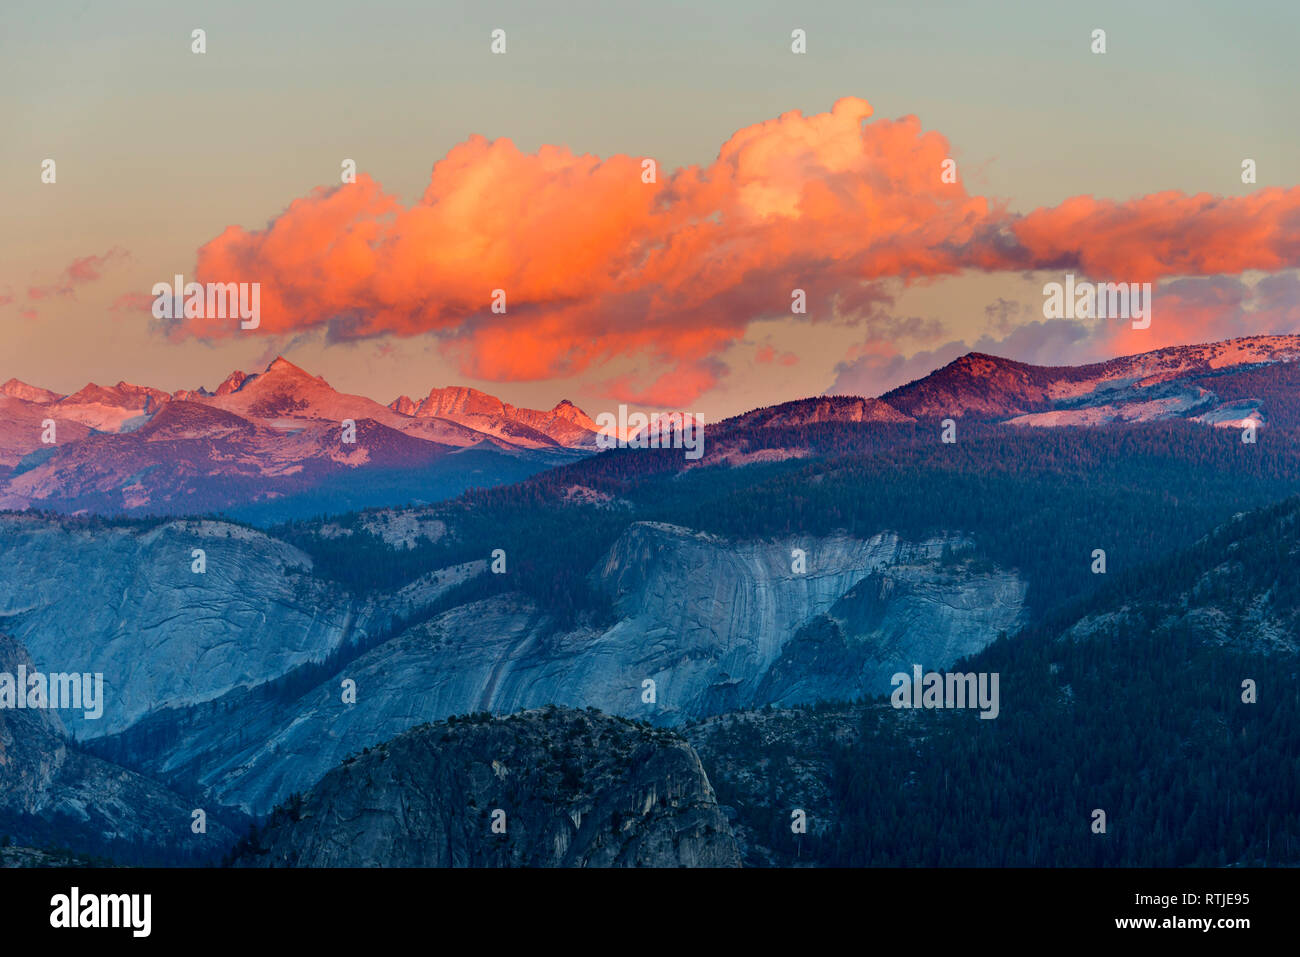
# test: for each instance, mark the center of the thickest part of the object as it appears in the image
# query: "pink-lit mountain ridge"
(1223, 384)
(1220, 383)
(269, 446)
(263, 438)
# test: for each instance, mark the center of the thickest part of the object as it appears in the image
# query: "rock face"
(913, 612)
(568, 788)
(124, 601)
(721, 625)
(715, 624)
(52, 793)
(253, 749)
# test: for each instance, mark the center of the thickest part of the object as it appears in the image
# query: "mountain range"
(271, 446)
(272, 443)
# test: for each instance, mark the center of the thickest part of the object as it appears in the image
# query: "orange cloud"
(596, 264)
(1167, 234)
(673, 389)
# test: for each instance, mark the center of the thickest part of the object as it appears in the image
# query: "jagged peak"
(17, 389)
(564, 409)
(132, 389)
(232, 383)
(281, 364)
(460, 390)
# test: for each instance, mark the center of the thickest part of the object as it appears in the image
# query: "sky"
(523, 171)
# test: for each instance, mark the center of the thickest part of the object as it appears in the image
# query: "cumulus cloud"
(597, 265)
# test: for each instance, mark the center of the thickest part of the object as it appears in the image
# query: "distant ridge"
(1176, 382)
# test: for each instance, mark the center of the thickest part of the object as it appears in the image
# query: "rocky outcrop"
(546, 788)
(926, 612)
